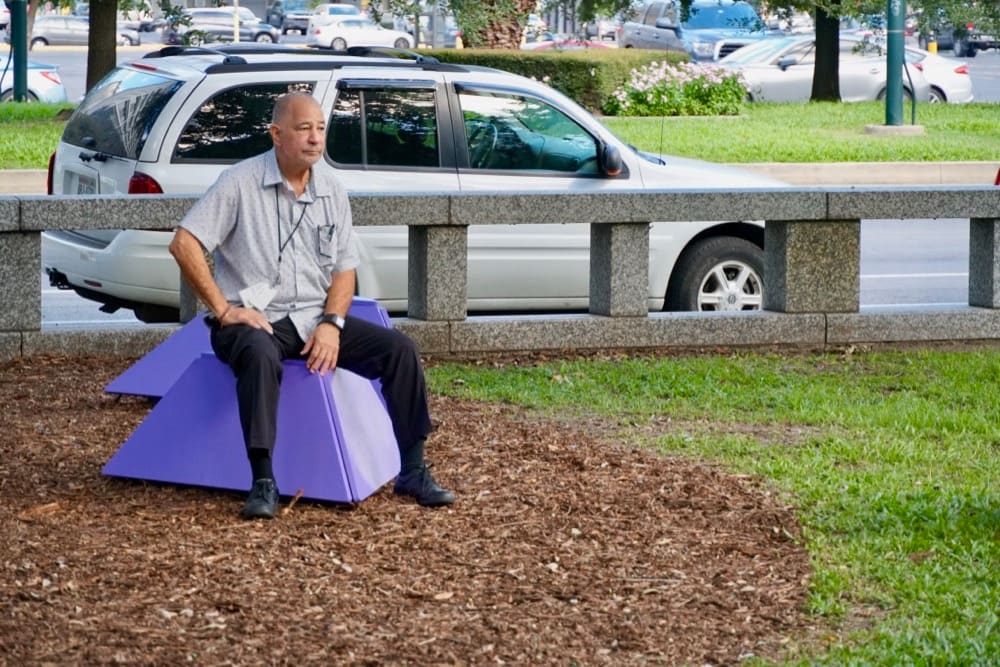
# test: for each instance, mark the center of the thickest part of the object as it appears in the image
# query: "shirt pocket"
(326, 243)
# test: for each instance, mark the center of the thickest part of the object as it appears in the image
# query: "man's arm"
(323, 346)
(190, 256)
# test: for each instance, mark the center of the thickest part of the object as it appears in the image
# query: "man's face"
(300, 134)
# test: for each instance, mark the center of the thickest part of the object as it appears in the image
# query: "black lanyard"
(277, 213)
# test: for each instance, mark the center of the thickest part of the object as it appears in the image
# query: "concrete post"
(619, 269)
(438, 273)
(984, 262)
(812, 267)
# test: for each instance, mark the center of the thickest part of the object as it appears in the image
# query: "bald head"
(286, 102)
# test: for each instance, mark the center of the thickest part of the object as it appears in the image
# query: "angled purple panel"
(193, 436)
(157, 371)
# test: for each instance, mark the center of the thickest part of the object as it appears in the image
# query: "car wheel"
(402, 43)
(264, 38)
(38, 41)
(959, 48)
(339, 44)
(937, 96)
(8, 95)
(721, 273)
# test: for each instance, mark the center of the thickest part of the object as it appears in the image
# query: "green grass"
(891, 458)
(29, 133)
(820, 132)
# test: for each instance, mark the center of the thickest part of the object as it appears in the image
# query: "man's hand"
(249, 316)
(322, 349)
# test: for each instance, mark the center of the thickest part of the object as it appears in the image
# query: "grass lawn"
(891, 457)
(820, 132)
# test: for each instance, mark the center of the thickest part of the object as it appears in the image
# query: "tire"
(401, 43)
(8, 95)
(938, 96)
(38, 41)
(264, 38)
(721, 273)
(338, 44)
(960, 48)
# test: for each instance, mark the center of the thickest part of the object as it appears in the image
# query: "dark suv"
(218, 24)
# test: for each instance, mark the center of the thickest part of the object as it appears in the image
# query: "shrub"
(684, 89)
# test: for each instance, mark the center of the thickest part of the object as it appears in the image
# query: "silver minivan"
(172, 122)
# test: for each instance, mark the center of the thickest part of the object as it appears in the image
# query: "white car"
(347, 32)
(948, 78)
(780, 69)
(44, 83)
(171, 123)
(327, 12)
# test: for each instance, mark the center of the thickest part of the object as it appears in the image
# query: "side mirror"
(786, 62)
(611, 160)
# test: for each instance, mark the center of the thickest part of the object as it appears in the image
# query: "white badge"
(258, 296)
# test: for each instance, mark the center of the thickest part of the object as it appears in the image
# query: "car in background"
(288, 15)
(963, 41)
(602, 29)
(394, 125)
(328, 12)
(356, 31)
(948, 78)
(58, 30)
(44, 83)
(217, 24)
(711, 30)
(4, 16)
(781, 70)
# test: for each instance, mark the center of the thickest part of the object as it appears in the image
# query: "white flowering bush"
(684, 89)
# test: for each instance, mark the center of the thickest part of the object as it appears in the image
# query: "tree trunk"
(102, 40)
(826, 69)
(505, 31)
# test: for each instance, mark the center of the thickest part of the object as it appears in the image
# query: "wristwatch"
(334, 319)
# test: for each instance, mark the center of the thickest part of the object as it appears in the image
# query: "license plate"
(86, 185)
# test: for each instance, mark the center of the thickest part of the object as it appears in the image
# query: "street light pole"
(894, 63)
(19, 42)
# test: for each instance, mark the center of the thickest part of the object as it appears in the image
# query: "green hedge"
(587, 76)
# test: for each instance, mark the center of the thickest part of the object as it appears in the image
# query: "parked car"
(602, 29)
(44, 83)
(963, 41)
(948, 78)
(71, 30)
(351, 31)
(712, 29)
(217, 24)
(781, 70)
(571, 44)
(289, 15)
(171, 123)
(331, 11)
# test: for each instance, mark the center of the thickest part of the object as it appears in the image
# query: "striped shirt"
(260, 232)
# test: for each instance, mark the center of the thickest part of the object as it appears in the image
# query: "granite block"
(104, 211)
(619, 269)
(984, 262)
(812, 267)
(927, 325)
(437, 273)
(893, 202)
(10, 346)
(104, 342)
(20, 291)
(10, 214)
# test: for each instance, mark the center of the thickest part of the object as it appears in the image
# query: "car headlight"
(703, 49)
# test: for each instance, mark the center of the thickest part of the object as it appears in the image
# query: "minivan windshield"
(117, 113)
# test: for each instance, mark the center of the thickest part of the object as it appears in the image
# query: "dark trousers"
(371, 351)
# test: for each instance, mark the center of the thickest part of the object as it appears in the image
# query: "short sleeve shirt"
(260, 232)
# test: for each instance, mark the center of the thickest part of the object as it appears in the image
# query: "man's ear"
(275, 132)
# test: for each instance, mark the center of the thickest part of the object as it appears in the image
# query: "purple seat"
(156, 372)
(335, 440)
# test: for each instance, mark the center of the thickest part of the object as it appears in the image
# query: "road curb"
(32, 181)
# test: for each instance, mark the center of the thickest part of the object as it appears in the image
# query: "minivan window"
(233, 124)
(116, 115)
(400, 128)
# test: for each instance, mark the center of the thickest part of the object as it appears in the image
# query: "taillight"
(143, 184)
(962, 69)
(52, 76)
(997, 181)
(48, 177)
(918, 66)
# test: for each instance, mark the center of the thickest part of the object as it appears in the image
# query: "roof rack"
(231, 52)
(167, 51)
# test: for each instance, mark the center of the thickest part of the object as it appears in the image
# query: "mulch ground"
(565, 547)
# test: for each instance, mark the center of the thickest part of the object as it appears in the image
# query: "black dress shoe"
(262, 503)
(420, 485)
